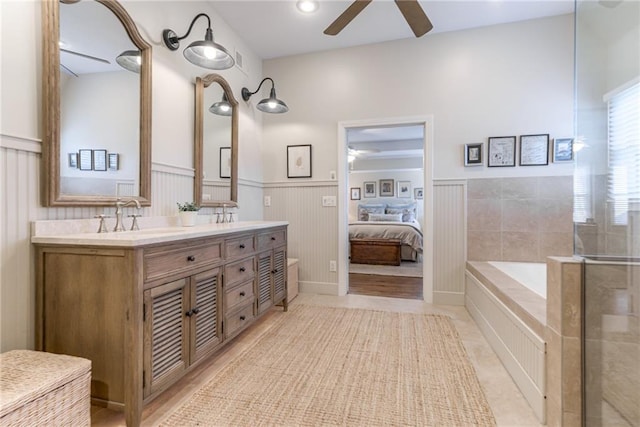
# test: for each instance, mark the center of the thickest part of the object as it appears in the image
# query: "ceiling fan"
(410, 9)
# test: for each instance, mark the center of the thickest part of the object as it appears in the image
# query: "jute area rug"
(332, 366)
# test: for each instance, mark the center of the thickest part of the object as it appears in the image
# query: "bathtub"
(507, 300)
(532, 275)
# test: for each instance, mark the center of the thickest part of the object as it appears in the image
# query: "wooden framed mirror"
(96, 77)
(216, 143)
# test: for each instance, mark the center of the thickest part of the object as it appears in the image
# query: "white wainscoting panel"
(313, 230)
(20, 166)
(449, 228)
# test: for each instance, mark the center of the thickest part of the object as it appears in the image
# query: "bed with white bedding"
(388, 222)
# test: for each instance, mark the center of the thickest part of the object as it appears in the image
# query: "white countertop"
(45, 232)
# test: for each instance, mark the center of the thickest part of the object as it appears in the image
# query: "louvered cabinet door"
(279, 274)
(205, 313)
(265, 286)
(166, 333)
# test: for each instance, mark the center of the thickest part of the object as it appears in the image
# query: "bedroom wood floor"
(385, 286)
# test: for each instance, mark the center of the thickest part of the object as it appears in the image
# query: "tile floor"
(507, 403)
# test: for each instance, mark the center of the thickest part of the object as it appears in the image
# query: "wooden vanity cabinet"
(145, 315)
(272, 269)
(182, 324)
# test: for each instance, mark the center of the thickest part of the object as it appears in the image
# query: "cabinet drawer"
(238, 320)
(238, 296)
(271, 240)
(239, 247)
(166, 260)
(239, 271)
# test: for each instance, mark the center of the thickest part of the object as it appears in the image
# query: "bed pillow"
(374, 217)
(408, 211)
(365, 210)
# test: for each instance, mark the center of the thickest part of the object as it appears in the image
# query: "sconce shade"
(203, 53)
(222, 108)
(130, 60)
(267, 105)
(272, 104)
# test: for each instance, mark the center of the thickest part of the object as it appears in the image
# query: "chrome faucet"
(119, 205)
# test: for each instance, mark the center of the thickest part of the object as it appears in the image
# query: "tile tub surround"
(563, 336)
(612, 343)
(519, 219)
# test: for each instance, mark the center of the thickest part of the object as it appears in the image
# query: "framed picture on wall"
(386, 188)
(473, 154)
(369, 189)
(404, 189)
(501, 151)
(355, 193)
(298, 161)
(85, 160)
(114, 161)
(73, 160)
(534, 150)
(418, 193)
(225, 162)
(562, 150)
(100, 160)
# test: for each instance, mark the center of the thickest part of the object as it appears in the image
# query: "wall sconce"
(221, 108)
(130, 60)
(203, 53)
(267, 105)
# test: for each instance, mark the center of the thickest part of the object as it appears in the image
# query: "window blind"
(623, 179)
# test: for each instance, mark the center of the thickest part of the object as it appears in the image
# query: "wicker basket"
(44, 389)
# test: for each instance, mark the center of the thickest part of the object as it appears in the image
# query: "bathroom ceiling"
(275, 28)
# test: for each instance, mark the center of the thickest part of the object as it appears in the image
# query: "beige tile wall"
(519, 219)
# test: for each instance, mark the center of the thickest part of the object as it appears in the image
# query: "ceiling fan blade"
(67, 70)
(347, 16)
(95, 58)
(415, 16)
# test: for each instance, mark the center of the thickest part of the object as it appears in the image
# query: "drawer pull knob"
(191, 258)
(273, 238)
(242, 269)
(196, 310)
(242, 318)
(242, 294)
(274, 271)
(241, 245)
(189, 313)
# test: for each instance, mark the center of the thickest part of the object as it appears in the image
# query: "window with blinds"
(623, 180)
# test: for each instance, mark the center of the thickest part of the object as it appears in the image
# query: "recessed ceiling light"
(307, 6)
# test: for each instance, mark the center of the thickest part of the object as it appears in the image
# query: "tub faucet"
(119, 205)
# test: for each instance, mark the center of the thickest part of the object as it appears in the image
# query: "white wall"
(172, 134)
(511, 79)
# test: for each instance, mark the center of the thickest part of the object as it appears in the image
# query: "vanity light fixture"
(222, 108)
(130, 60)
(267, 105)
(203, 53)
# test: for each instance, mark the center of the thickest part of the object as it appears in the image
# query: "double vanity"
(148, 306)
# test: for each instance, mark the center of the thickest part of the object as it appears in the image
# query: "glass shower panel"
(607, 205)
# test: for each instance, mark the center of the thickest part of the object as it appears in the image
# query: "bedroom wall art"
(355, 193)
(386, 188)
(404, 189)
(369, 189)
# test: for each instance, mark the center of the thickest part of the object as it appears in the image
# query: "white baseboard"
(318, 288)
(448, 298)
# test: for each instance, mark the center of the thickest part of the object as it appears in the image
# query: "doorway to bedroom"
(385, 188)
